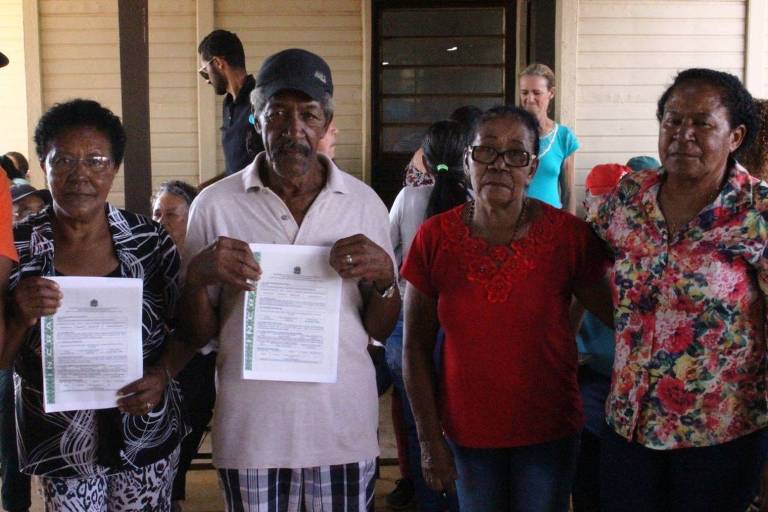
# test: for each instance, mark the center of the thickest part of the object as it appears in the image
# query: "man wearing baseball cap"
(292, 442)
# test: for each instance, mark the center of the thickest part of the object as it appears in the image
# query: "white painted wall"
(628, 53)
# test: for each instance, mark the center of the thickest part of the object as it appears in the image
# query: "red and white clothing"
(509, 359)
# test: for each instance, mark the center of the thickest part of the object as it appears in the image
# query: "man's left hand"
(357, 257)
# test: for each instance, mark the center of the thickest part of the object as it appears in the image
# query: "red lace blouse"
(509, 360)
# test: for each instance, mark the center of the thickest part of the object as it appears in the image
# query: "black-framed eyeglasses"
(511, 157)
(203, 73)
(64, 164)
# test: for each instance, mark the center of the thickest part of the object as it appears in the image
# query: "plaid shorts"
(339, 488)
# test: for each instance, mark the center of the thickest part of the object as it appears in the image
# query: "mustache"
(289, 145)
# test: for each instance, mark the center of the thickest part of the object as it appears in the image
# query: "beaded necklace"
(470, 213)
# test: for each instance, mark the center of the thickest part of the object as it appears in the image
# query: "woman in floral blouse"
(688, 398)
(498, 274)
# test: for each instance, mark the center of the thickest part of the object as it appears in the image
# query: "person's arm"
(357, 257)
(566, 179)
(421, 326)
(596, 298)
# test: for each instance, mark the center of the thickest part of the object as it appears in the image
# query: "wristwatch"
(388, 292)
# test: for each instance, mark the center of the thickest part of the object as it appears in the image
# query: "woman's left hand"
(145, 393)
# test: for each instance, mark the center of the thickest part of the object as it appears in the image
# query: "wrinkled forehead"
(291, 96)
(504, 129)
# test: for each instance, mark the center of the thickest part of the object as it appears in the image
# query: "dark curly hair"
(224, 44)
(734, 96)
(80, 113)
(528, 119)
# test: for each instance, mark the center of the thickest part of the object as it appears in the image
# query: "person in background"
(687, 409)
(595, 343)
(16, 493)
(170, 207)
(497, 275)
(443, 150)
(20, 162)
(123, 457)
(327, 145)
(16, 486)
(222, 64)
(553, 182)
(641, 163)
(11, 172)
(467, 116)
(27, 200)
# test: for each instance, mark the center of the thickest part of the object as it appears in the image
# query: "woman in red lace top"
(498, 275)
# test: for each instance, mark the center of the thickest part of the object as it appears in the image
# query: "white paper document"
(92, 346)
(291, 320)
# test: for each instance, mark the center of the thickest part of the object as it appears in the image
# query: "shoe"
(402, 496)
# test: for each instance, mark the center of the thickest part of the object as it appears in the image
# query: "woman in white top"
(443, 152)
(554, 176)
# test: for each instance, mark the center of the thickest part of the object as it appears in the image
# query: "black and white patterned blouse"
(65, 444)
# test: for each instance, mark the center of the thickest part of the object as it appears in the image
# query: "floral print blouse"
(690, 364)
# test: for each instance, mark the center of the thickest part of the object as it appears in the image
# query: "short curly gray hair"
(259, 103)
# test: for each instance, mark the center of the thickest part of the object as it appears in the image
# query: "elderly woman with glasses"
(122, 458)
(497, 274)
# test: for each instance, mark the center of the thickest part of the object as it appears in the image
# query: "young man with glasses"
(222, 64)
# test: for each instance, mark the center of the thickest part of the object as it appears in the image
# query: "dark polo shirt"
(235, 128)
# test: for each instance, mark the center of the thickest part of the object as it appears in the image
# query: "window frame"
(380, 181)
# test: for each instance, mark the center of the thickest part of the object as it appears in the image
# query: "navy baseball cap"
(295, 69)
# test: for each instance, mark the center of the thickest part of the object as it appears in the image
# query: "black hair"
(509, 112)
(10, 170)
(467, 116)
(80, 113)
(443, 147)
(736, 99)
(176, 187)
(224, 44)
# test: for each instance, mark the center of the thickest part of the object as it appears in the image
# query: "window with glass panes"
(429, 59)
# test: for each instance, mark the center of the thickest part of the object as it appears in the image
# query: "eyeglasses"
(64, 164)
(203, 72)
(511, 157)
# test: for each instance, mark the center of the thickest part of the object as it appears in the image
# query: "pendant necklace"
(551, 141)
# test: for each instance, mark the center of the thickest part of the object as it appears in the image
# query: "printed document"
(291, 319)
(92, 346)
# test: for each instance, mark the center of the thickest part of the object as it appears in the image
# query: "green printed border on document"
(49, 369)
(250, 321)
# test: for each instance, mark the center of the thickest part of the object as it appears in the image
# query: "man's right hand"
(225, 261)
(35, 297)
